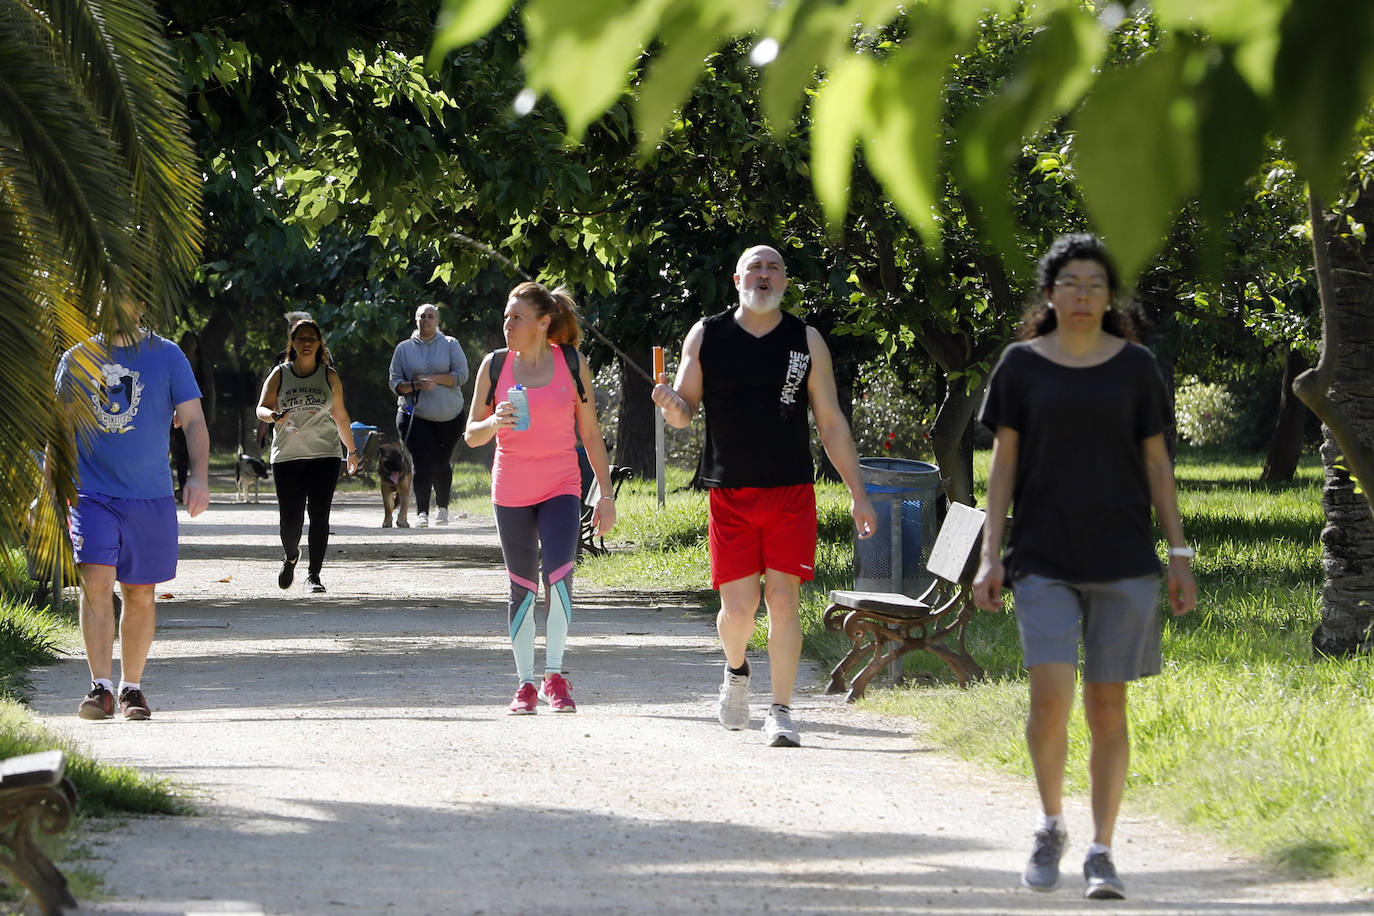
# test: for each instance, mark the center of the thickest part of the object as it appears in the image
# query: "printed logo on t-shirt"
(797, 364)
(116, 400)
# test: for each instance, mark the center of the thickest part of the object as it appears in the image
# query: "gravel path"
(350, 754)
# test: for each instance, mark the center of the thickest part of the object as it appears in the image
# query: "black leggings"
(431, 444)
(301, 483)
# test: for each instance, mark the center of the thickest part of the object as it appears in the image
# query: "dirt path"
(351, 755)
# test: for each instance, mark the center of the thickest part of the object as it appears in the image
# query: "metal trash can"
(904, 494)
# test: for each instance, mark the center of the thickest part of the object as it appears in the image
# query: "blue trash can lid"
(901, 473)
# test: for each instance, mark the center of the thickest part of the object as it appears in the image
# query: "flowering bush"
(889, 421)
(1206, 412)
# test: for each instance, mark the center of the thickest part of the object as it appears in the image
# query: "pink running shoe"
(526, 702)
(554, 691)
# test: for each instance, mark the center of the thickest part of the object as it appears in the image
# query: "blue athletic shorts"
(1117, 622)
(138, 537)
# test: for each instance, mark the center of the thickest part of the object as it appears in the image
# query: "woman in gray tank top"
(304, 399)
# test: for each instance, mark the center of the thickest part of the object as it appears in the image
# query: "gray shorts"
(1117, 622)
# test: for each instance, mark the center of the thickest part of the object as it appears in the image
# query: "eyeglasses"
(1093, 287)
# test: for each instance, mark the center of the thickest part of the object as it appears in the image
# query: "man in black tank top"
(755, 370)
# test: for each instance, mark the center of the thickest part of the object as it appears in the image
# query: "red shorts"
(751, 529)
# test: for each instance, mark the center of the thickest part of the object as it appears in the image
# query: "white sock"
(1051, 822)
(1095, 848)
(103, 682)
(127, 685)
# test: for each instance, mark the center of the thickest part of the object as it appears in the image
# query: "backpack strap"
(574, 368)
(498, 360)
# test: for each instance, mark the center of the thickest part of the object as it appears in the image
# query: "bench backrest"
(955, 554)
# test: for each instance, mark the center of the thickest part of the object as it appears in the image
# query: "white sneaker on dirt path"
(422, 520)
(442, 517)
(778, 728)
(733, 709)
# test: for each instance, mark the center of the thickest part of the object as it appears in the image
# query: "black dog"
(247, 472)
(395, 472)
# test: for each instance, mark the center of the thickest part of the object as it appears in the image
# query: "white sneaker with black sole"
(778, 728)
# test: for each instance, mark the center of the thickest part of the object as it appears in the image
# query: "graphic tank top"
(754, 396)
(309, 430)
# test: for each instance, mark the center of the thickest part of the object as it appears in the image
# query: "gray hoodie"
(415, 357)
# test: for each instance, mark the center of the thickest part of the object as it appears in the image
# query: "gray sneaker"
(733, 710)
(778, 728)
(441, 517)
(422, 520)
(1042, 871)
(1103, 884)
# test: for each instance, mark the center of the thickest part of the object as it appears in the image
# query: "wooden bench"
(589, 540)
(35, 792)
(884, 626)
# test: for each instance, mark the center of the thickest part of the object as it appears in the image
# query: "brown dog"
(395, 471)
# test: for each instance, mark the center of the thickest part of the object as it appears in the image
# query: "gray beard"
(760, 303)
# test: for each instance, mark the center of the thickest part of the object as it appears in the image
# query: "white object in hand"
(521, 402)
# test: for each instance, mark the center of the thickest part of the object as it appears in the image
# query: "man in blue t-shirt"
(124, 522)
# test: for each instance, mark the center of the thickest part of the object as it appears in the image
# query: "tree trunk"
(634, 444)
(951, 443)
(1347, 399)
(1285, 446)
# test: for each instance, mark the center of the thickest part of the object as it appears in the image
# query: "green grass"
(32, 635)
(1244, 733)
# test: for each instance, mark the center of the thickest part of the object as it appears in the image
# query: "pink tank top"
(538, 463)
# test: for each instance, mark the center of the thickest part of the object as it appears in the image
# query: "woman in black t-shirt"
(1078, 410)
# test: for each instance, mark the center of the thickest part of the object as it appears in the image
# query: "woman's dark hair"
(564, 327)
(323, 352)
(1038, 320)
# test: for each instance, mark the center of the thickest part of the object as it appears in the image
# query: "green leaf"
(582, 53)
(1136, 154)
(907, 137)
(1231, 143)
(1323, 81)
(1055, 69)
(840, 109)
(689, 34)
(461, 22)
(817, 41)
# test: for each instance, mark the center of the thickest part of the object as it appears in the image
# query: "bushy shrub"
(1206, 413)
(888, 420)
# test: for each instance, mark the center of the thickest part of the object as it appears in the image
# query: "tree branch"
(1313, 387)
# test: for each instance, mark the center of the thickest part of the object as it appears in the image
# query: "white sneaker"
(442, 517)
(422, 520)
(733, 710)
(778, 729)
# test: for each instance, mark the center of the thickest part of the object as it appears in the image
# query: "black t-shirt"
(754, 395)
(1081, 499)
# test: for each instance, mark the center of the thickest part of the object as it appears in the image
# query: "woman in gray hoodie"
(427, 372)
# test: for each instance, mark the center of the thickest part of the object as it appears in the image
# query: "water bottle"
(521, 402)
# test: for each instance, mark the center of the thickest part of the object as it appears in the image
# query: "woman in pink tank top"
(536, 484)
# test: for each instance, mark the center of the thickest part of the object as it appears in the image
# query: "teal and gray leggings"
(553, 524)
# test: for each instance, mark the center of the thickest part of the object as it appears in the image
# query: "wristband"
(1185, 552)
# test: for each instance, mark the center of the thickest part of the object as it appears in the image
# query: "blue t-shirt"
(133, 392)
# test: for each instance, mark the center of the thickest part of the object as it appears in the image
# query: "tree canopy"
(1188, 121)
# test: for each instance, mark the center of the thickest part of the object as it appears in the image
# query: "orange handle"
(658, 364)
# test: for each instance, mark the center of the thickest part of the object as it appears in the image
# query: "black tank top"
(754, 395)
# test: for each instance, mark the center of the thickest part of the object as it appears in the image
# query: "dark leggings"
(431, 444)
(301, 483)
